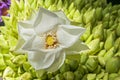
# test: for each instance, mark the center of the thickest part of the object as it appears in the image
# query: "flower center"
(51, 41)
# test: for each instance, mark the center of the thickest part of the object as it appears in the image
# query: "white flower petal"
(67, 35)
(34, 43)
(20, 44)
(61, 14)
(76, 48)
(25, 30)
(40, 60)
(59, 60)
(45, 59)
(46, 21)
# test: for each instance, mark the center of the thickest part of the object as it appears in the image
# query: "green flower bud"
(80, 4)
(101, 45)
(117, 30)
(117, 78)
(84, 77)
(7, 56)
(111, 22)
(26, 66)
(112, 76)
(83, 58)
(98, 13)
(50, 75)
(72, 13)
(117, 53)
(59, 77)
(106, 17)
(77, 3)
(2, 62)
(48, 3)
(89, 39)
(4, 50)
(105, 24)
(100, 75)
(9, 63)
(109, 54)
(85, 68)
(8, 72)
(90, 18)
(64, 68)
(105, 76)
(91, 77)
(94, 46)
(91, 64)
(25, 76)
(97, 70)
(12, 42)
(27, 10)
(66, 4)
(102, 53)
(20, 70)
(87, 32)
(20, 59)
(21, 4)
(14, 7)
(71, 7)
(112, 65)
(40, 2)
(77, 75)
(42, 74)
(33, 72)
(114, 26)
(116, 44)
(81, 69)
(52, 7)
(3, 30)
(101, 61)
(59, 5)
(34, 4)
(98, 33)
(76, 16)
(3, 42)
(69, 75)
(109, 41)
(73, 64)
(107, 8)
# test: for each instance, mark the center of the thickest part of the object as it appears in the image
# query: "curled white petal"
(61, 14)
(46, 21)
(41, 60)
(44, 59)
(34, 43)
(25, 30)
(59, 60)
(67, 35)
(76, 48)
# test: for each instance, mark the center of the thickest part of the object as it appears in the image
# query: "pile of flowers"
(48, 38)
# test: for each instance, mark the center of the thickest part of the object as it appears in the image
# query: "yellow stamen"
(50, 40)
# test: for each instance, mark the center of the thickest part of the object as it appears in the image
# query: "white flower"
(48, 37)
